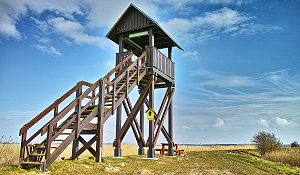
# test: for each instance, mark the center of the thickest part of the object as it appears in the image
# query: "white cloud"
(219, 124)
(186, 128)
(263, 122)
(193, 55)
(211, 25)
(109, 64)
(228, 82)
(284, 123)
(47, 49)
(75, 31)
(45, 40)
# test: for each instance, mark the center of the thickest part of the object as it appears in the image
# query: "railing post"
(48, 148)
(93, 95)
(55, 114)
(113, 99)
(78, 110)
(127, 83)
(138, 72)
(22, 150)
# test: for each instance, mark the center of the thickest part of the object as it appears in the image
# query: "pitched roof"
(134, 20)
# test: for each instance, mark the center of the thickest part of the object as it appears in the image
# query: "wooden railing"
(160, 61)
(106, 88)
(53, 107)
(120, 57)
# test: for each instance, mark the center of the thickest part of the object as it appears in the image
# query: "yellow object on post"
(150, 114)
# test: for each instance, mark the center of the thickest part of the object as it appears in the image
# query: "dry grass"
(215, 147)
(108, 151)
(9, 154)
(286, 155)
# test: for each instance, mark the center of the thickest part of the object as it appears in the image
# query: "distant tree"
(294, 144)
(266, 142)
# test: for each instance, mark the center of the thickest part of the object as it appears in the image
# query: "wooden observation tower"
(136, 34)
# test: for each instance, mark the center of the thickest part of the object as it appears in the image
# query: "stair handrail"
(81, 97)
(77, 102)
(80, 126)
(52, 106)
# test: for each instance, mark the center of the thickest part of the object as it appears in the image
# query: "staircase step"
(59, 140)
(91, 107)
(86, 112)
(45, 147)
(36, 154)
(32, 163)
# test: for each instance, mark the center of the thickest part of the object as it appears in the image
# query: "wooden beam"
(163, 116)
(133, 113)
(86, 145)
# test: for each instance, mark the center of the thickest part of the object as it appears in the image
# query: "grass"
(286, 155)
(195, 162)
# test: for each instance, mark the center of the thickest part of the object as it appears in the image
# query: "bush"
(294, 144)
(266, 142)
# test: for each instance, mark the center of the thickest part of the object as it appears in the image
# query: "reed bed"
(286, 155)
(9, 154)
(215, 147)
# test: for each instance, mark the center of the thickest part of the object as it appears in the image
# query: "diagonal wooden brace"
(163, 117)
(86, 145)
(133, 113)
(163, 129)
(135, 127)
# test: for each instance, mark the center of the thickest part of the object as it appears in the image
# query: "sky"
(238, 74)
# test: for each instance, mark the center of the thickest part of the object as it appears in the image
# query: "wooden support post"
(99, 142)
(170, 124)
(141, 150)
(48, 149)
(151, 151)
(23, 146)
(78, 110)
(118, 150)
(55, 114)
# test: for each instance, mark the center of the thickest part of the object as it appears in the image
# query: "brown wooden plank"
(163, 116)
(86, 145)
(63, 128)
(50, 108)
(142, 140)
(133, 113)
(66, 110)
(161, 108)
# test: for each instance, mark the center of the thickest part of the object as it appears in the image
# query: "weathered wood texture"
(160, 61)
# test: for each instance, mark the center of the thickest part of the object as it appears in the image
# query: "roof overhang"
(134, 25)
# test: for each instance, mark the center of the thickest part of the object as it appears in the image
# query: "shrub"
(294, 144)
(266, 142)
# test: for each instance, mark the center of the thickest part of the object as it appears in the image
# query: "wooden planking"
(134, 20)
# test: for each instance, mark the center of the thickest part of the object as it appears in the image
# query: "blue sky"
(239, 73)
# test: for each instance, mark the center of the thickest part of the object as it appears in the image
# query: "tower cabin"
(136, 32)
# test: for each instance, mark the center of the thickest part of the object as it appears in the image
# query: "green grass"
(205, 162)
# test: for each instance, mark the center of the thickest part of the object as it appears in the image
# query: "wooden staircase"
(66, 126)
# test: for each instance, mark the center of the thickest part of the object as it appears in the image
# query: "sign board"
(150, 114)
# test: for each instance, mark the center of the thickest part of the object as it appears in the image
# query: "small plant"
(266, 142)
(294, 144)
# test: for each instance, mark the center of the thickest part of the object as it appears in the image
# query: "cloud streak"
(223, 101)
(211, 25)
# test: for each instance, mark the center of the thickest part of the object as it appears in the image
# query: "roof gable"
(134, 20)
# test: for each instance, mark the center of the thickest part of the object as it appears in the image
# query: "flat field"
(196, 160)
